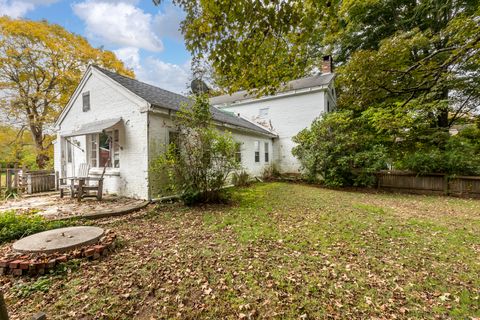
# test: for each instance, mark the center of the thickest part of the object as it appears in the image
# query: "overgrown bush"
(334, 151)
(199, 162)
(241, 179)
(458, 157)
(343, 148)
(270, 173)
(14, 226)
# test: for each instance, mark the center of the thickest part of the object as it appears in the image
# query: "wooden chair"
(85, 188)
(67, 183)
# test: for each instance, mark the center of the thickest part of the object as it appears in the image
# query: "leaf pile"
(281, 251)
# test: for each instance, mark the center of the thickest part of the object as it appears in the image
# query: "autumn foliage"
(40, 66)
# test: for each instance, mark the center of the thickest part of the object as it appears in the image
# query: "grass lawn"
(284, 251)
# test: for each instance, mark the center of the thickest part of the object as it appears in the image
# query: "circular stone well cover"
(58, 240)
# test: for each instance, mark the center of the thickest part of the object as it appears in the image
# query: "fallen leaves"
(273, 255)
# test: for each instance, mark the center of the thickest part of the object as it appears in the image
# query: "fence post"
(3, 308)
(57, 182)
(29, 184)
(446, 187)
(15, 181)
(9, 180)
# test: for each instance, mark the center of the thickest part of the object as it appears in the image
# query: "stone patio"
(53, 207)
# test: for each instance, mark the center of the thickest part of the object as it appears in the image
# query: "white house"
(121, 123)
(287, 112)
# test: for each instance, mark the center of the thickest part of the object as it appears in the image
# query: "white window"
(238, 152)
(263, 113)
(86, 101)
(256, 148)
(104, 149)
(69, 150)
(267, 155)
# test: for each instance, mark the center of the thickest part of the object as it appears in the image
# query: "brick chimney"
(327, 64)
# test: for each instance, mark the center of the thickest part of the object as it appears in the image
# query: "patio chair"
(67, 183)
(85, 187)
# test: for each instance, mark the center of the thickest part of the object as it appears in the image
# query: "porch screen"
(105, 149)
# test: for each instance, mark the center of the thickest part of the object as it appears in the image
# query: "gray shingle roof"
(302, 83)
(161, 98)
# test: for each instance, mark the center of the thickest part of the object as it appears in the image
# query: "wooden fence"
(27, 181)
(462, 186)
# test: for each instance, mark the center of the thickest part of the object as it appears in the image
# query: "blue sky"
(144, 36)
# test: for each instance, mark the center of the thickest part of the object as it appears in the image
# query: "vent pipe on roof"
(327, 64)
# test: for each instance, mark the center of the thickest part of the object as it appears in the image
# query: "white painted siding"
(248, 152)
(160, 125)
(288, 115)
(107, 101)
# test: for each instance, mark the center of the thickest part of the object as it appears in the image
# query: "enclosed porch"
(93, 150)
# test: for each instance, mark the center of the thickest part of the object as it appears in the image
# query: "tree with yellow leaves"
(40, 66)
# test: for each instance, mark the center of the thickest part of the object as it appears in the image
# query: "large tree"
(40, 66)
(410, 67)
(260, 44)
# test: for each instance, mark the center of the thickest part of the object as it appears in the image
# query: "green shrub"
(458, 157)
(15, 226)
(340, 150)
(200, 159)
(270, 173)
(241, 179)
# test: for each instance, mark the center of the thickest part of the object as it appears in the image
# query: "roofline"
(267, 132)
(68, 106)
(224, 124)
(278, 95)
(98, 68)
(83, 80)
(151, 107)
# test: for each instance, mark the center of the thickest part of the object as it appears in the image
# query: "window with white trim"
(238, 152)
(86, 101)
(104, 149)
(69, 150)
(256, 148)
(267, 155)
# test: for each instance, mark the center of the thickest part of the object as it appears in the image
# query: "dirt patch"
(54, 207)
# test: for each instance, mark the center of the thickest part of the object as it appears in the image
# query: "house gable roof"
(318, 80)
(161, 98)
(88, 74)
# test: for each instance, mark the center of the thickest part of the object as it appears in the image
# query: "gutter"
(170, 112)
(266, 98)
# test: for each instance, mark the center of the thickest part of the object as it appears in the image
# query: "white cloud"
(130, 56)
(118, 23)
(168, 76)
(167, 24)
(165, 75)
(19, 8)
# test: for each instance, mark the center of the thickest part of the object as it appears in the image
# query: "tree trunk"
(41, 158)
(442, 117)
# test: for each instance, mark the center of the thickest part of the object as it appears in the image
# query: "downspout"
(149, 187)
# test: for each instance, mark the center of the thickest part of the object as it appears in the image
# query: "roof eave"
(276, 96)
